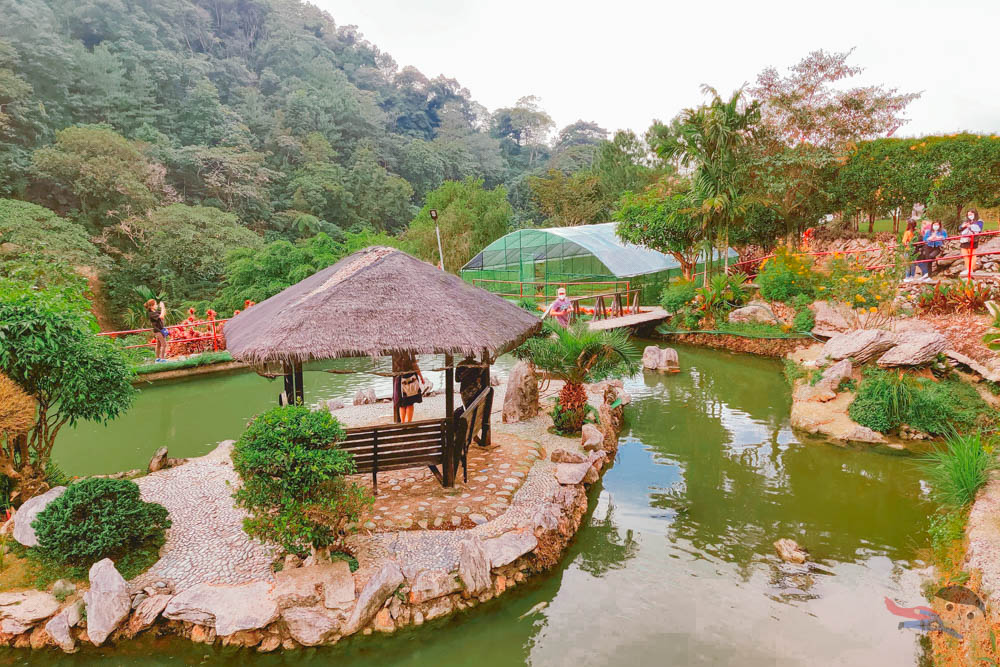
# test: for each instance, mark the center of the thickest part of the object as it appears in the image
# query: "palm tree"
(576, 355)
(711, 139)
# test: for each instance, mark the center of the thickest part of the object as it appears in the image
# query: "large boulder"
(835, 374)
(755, 311)
(147, 612)
(831, 319)
(23, 531)
(521, 399)
(572, 473)
(59, 630)
(860, 345)
(859, 433)
(307, 586)
(228, 609)
(914, 349)
(311, 626)
(509, 547)
(19, 612)
(377, 590)
(108, 601)
(660, 359)
(431, 584)
(474, 566)
(365, 397)
(591, 438)
(159, 460)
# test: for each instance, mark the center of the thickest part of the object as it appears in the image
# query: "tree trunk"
(895, 220)
(871, 222)
(573, 404)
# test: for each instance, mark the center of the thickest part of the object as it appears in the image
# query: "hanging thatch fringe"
(377, 302)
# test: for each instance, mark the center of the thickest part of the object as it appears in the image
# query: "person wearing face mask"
(971, 226)
(933, 245)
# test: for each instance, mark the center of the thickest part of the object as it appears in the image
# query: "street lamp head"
(434, 214)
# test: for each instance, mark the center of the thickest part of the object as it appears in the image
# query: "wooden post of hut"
(449, 416)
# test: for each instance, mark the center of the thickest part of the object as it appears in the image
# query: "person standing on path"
(560, 308)
(158, 319)
(406, 385)
(971, 226)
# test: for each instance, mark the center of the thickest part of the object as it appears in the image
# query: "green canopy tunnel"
(535, 262)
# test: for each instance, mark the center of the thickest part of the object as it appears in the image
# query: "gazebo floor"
(413, 499)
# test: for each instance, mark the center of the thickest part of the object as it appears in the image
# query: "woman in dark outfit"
(157, 319)
(406, 389)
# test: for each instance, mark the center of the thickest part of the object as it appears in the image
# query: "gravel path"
(205, 542)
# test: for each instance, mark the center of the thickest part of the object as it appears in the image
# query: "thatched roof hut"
(17, 409)
(377, 302)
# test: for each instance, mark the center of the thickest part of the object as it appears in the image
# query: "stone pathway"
(413, 499)
(206, 542)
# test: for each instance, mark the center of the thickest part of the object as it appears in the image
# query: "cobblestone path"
(206, 542)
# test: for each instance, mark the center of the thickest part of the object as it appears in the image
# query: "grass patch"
(203, 359)
(33, 568)
(945, 530)
(886, 399)
(960, 468)
(792, 372)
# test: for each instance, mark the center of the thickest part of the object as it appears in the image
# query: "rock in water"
(790, 551)
(334, 404)
(159, 460)
(473, 566)
(228, 609)
(108, 602)
(534, 610)
(23, 532)
(147, 612)
(20, 611)
(378, 589)
(364, 397)
(521, 399)
(651, 357)
(509, 547)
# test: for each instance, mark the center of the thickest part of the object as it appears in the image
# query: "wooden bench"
(395, 446)
(387, 447)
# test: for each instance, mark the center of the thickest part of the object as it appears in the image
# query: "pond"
(675, 563)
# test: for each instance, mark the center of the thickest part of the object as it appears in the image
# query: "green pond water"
(673, 566)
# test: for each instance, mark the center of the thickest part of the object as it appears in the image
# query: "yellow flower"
(860, 298)
(873, 309)
(821, 288)
(878, 297)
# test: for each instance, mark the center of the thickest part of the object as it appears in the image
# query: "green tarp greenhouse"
(587, 253)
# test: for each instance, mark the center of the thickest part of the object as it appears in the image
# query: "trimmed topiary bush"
(99, 518)
(293, 479)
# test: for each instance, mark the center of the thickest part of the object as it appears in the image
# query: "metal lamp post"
(434, 217)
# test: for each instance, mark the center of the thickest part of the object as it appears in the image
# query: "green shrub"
(804, 320)
(945, 529)
(528, 304)
(98, 518)
(293, 479)
(959, 469)
(887, 399)
(793, 371)
(883, 400)
(786, 276)
(677, 295)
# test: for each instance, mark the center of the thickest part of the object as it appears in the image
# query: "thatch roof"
(17, 409)
(373, 303)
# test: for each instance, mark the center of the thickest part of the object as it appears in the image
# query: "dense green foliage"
(469, 217)
(48, 347)
(98, 518)
(30, 228)
(960, 468)
(176, 251)
(887, 399)
(293, 479)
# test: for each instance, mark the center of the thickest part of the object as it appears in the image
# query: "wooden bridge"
(615, 310)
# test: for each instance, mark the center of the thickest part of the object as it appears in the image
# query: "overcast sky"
(623, 63)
